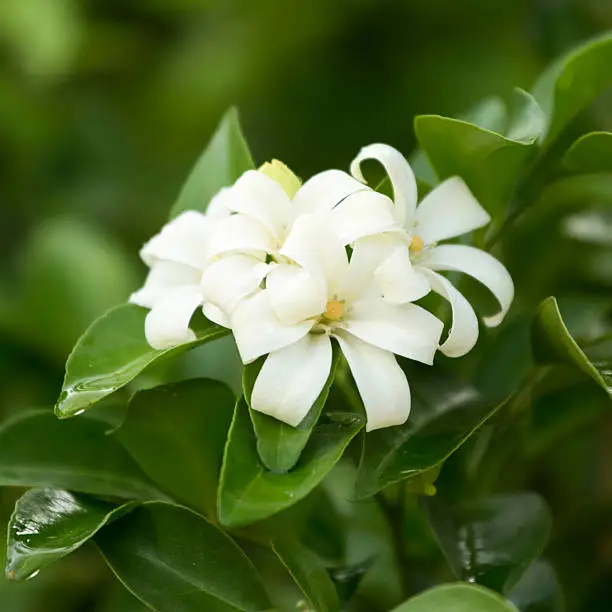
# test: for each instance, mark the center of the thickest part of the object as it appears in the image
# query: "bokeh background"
(104, 107)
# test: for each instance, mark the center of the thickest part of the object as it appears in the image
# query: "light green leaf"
(280, 445)
(457, 598)
(552, 343)
(491, 541)
(572, 82)
(528, 120)
(590, 153)
(309, 575)
(174, 560)
(444, 415)
(49, 524)
(249, 493)
(188, 422)
(225, 158)
(38, 450)
(538, 590)
(112, 352)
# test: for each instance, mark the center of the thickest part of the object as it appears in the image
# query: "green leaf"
(280, 445)
(445, 413)
(572, 82)
(49, 524)
(249, 493)
(491, 541)
(188, 422)
(590, 153)
(488, 162)
(457, 598)
(38, 450)
(552, 343)
(174, 560)
(538, 590)
(309, 575)
(225, 158)
(112, 352)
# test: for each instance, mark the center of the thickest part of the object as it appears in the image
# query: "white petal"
(219, 206)
(398, 280)
(183, 240)
(463, 333)
(381, 382)
(258, 196)
(400, 174)
(215, 314)
(313, 244)
(407, 329)
(230, 279)
(363, 214)
(324, 190)
(448, 211)
(258, 331)
(163, 277)
(167, 324)
(240, 234)
(295, 293)
(292, 378)
(481, 266)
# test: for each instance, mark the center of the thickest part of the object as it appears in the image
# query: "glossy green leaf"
(552, 343)
(488, 162)
(572, 82)
(38, 450)
(280, 445)
(112, 352)
(491, 541)
(249, 493)
(309, 575)
(590, 153)
(457, 598)
(176, 561)
(538, 590)
(49, 524)
(444, 415)
(225, 158)
(188, 422)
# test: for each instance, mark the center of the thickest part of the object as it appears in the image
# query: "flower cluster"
(289, 266)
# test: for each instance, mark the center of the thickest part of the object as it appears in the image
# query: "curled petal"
(479, 265)
(292, 378)
(448, 211)
(400, 174)
(215, 314)
(324, 190)
(240, 234)
(398, 280)
(258, 331)
(382, 384)
(167, 324)
(463, 333)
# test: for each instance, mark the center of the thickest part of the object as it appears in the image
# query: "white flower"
(321, 294)
(412, 263)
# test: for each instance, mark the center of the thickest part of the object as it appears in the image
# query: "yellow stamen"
(333, 310)
(417, 244)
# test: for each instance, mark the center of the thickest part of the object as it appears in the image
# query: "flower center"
(334, 310)
(416, 244)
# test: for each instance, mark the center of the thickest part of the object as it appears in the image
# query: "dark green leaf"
(188, 422)
(572, 82)
(538, 590)
(491, 541)
(49, 524)
(444, 415)
(591, 153)
(225, 158)
(176, 561)
(38, 450)
(552, 343)
(279, 445)
(309, 575)
(112, 352)
(457, 598)
(248, 492)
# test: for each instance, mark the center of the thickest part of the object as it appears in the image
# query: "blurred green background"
(104, 107)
